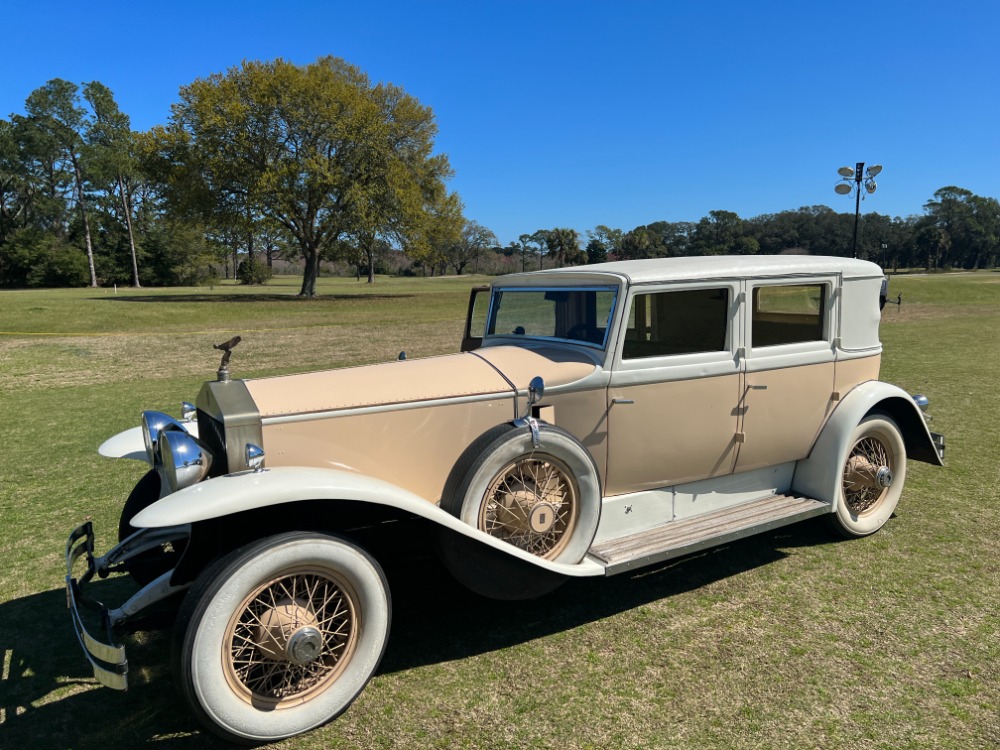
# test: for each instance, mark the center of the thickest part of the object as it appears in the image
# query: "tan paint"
(781, 422)
(850, 373)
(677, 431)
(454, 375)
(556, 365)
(583, 414)
(412, 448)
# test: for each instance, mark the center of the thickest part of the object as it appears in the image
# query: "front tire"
(279, 637)
(872, 477)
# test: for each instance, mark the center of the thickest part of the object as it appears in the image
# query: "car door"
(674, 386)
(788, 359)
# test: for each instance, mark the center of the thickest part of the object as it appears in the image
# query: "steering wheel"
(584, 332)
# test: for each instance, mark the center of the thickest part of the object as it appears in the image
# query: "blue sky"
(581, 113)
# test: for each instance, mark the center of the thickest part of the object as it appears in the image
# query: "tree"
(113, 155)
(54, 111)
(317, 149)
(564, 246)
(473, 241)
(604, 241)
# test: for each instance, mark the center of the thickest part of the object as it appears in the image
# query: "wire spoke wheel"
(867, 474)
(533, 504)
(290, 638)
(280, 636)
(872, 477)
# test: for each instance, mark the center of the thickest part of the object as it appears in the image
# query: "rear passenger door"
(788, 358)
(674, 386)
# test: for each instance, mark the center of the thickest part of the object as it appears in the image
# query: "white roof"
(712, 266)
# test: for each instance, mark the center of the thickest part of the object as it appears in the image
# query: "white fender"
(819, 475)
(129, 444)
(248, 490)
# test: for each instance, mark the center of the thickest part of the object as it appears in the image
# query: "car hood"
(493, 370)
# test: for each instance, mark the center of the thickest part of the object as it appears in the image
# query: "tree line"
(272, 161)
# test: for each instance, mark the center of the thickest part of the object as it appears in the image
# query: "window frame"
(681, 366)
(494, 310)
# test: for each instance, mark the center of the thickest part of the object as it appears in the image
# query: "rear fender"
(246, 491)
(819, 475)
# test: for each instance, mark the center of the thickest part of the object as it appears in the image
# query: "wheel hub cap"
(288, 631)
(541, 518)
(304, 645)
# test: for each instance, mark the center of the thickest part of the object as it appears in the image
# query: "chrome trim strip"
(357, 410)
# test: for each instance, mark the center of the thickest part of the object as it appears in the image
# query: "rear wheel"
(281, 636)
(872, 477)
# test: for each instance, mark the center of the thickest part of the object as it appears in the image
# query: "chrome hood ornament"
(227, 347)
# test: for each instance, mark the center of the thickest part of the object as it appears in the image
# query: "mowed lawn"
(793, 639)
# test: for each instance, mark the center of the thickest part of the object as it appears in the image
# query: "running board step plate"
(679, 538)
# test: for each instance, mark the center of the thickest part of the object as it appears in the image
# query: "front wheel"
(279, 637)
(872, 477)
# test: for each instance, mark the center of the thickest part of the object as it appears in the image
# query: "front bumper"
(107, 658)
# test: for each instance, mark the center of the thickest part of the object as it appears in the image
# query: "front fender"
(129, 443)
(248, 490)
(819, 475)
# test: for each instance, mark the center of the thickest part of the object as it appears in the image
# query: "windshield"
(579, 315)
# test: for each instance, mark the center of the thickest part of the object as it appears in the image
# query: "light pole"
(857, 176)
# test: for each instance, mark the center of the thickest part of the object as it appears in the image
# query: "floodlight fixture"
(858, 181)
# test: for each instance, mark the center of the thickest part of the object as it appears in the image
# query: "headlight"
(153, 423)
(185, 459)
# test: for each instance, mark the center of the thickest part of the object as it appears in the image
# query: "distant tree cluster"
(272, 162)
(958, 230)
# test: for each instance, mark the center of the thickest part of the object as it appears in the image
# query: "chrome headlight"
(185, 459)
(153, 423)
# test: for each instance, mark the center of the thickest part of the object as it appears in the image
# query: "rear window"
(788, 314)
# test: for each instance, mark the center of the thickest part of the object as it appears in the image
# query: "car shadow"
(49, 700)
(437, 620)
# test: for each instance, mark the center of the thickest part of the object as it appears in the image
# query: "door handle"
(622, 401)
(756, 387)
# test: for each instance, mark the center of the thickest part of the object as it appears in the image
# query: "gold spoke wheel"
(532, 503)
(291, 638)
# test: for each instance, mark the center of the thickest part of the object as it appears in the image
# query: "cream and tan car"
(599, 419)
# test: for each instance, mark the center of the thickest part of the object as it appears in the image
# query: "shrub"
(253, 271)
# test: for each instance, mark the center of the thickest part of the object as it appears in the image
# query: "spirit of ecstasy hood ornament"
(227, 347)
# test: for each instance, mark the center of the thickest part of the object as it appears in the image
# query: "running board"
(679, 538)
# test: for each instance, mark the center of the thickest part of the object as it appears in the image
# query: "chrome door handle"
(622, 401)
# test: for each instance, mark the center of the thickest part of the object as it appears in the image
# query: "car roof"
(709, 266)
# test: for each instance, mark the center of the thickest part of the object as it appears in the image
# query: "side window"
(688, 321)
(788, 314)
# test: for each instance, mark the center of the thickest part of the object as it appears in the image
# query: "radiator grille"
(213, 434)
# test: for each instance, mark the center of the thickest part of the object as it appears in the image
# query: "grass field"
(787, 640)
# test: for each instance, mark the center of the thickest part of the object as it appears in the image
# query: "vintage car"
(599, 419)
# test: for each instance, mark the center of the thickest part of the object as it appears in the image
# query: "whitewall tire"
(279, 637)
(872, 477)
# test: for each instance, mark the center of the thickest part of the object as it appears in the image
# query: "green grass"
(787, 640)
